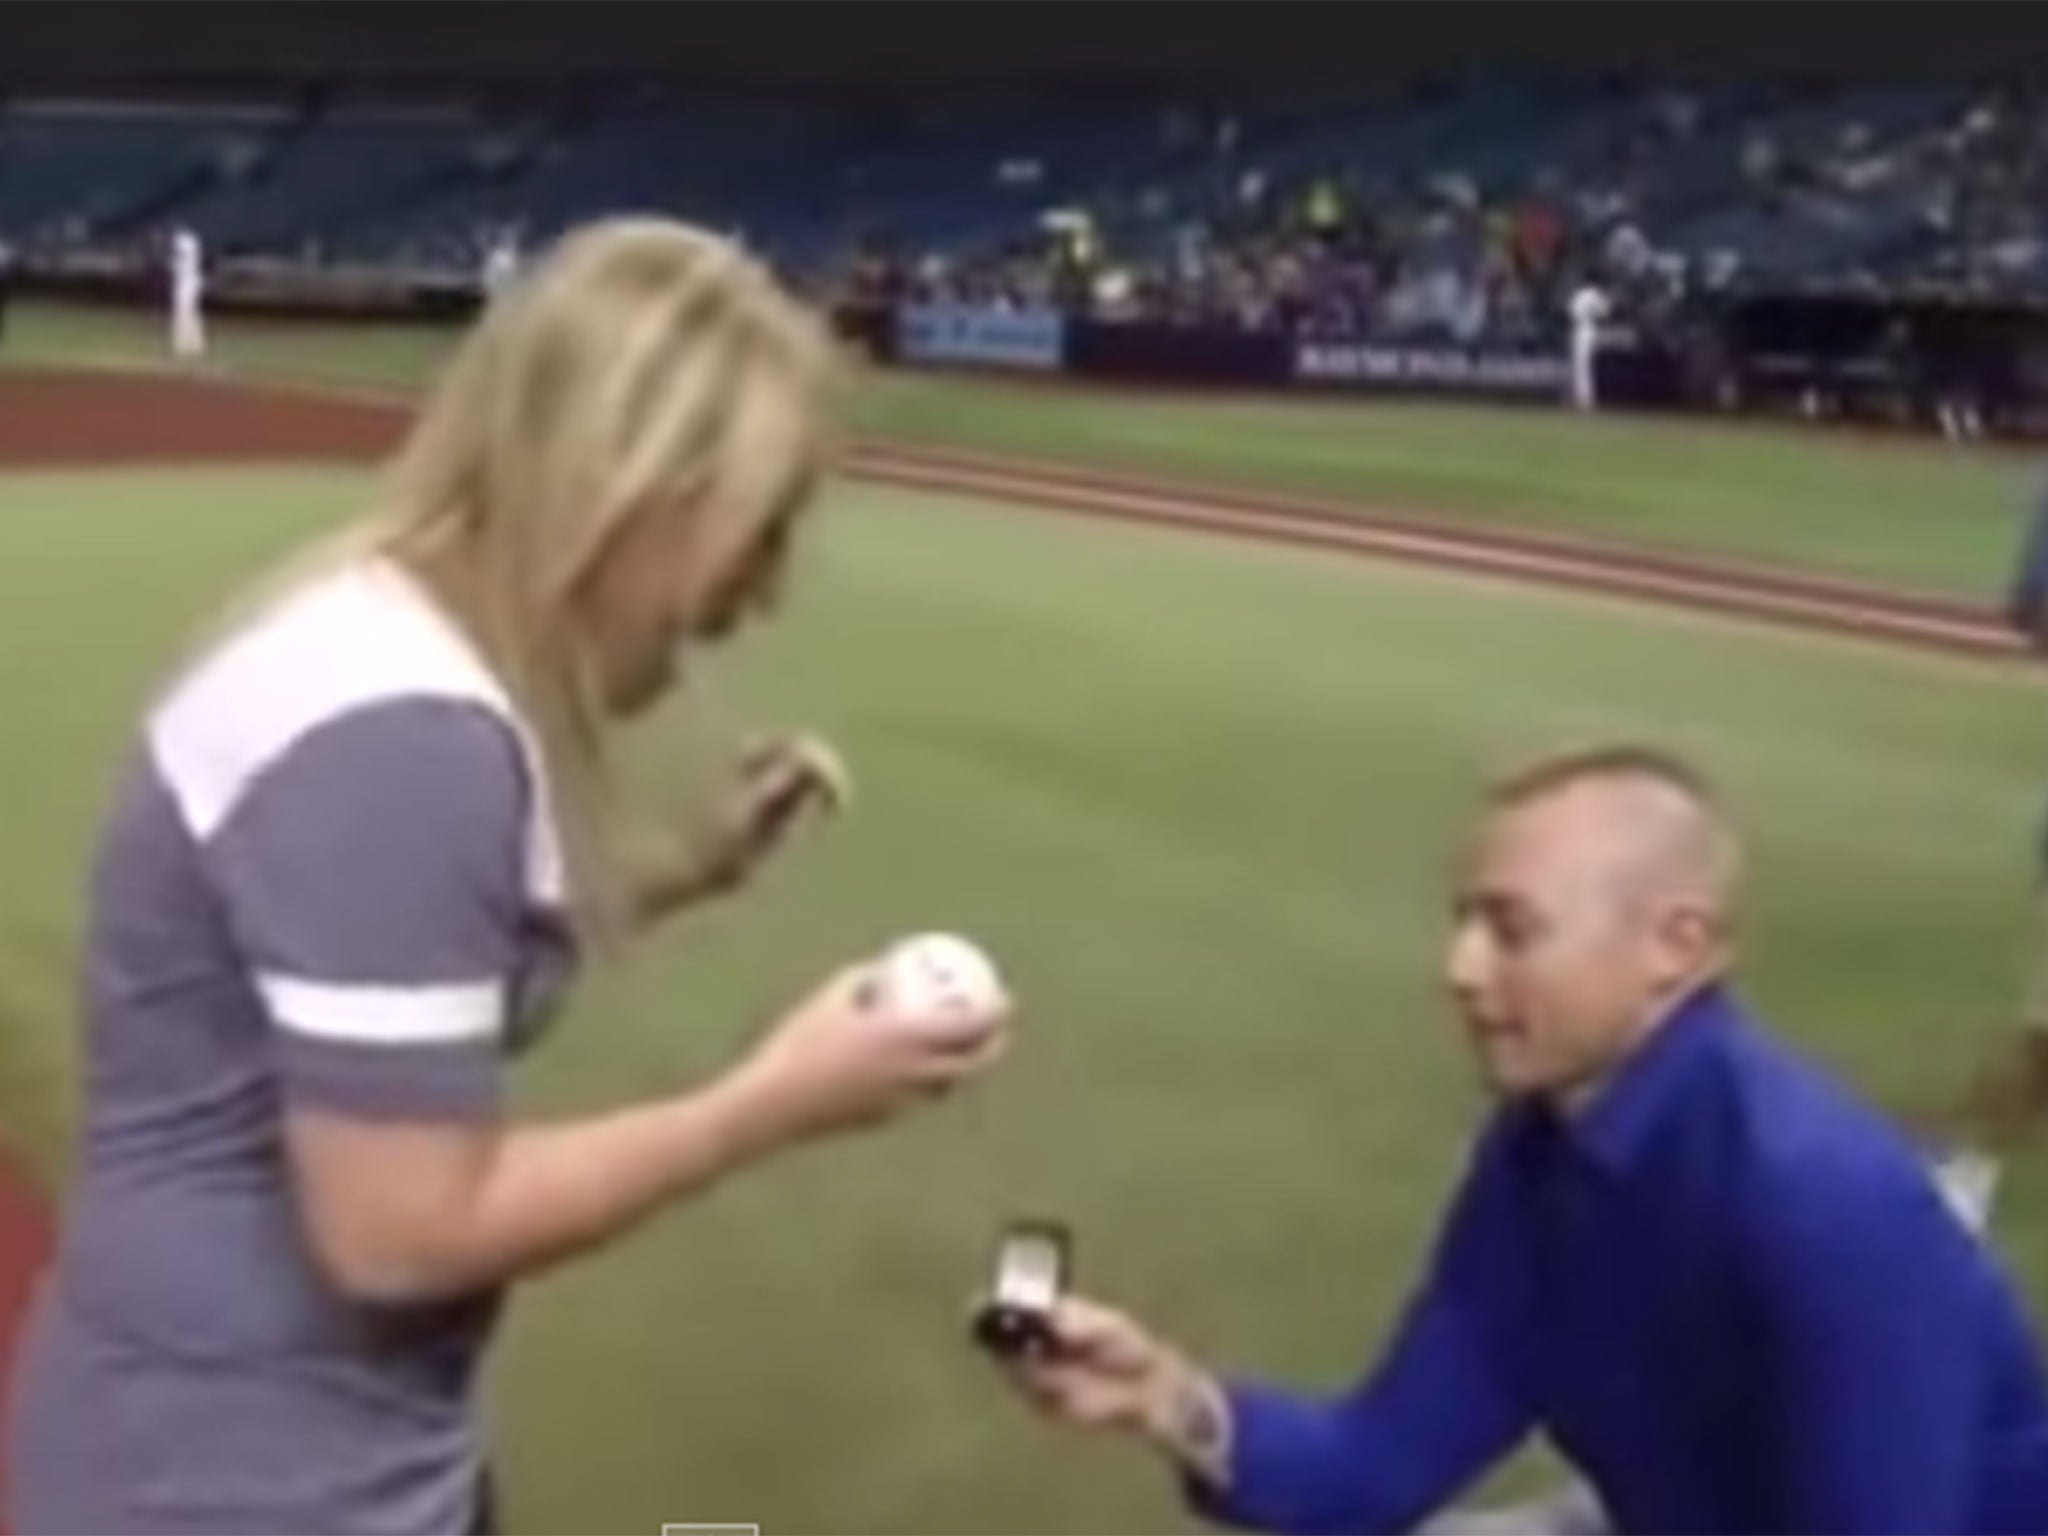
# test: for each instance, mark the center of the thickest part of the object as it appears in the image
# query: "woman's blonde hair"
(642, 363)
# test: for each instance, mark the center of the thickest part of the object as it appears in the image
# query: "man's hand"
(1107, 1372)
(777, 783)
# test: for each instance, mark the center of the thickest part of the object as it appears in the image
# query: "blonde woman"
(365, 833)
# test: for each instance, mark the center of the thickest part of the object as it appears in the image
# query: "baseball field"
(1180, 704)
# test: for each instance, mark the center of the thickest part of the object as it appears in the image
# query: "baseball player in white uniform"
(1589, 311)
(501, 263)
(188, 284)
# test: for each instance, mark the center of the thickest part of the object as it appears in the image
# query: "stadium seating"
(1783, 186)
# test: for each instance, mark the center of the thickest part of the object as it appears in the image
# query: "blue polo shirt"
(1728, 1293)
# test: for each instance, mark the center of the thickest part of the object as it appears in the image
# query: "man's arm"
(1391, 1452)
(1441, 1406)
(1437, 1410)
(1380, 1459)
(1873, 1358)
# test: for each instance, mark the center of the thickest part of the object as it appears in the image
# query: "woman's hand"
(778, 782)
(845, 1060)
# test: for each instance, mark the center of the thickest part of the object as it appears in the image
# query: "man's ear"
(1692, 940)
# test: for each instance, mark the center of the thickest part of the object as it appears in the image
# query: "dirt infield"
(73, 418)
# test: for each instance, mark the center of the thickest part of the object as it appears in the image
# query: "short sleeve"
(373, 882)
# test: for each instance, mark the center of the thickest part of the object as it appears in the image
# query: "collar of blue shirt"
(1611, 1131)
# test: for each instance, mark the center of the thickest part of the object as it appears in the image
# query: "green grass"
(1202, 800)
(1909, 513)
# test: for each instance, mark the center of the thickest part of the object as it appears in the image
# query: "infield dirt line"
(1352, 515)
(1948, 629)
(1728, 589)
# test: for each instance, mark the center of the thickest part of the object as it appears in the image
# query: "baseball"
(941, 981)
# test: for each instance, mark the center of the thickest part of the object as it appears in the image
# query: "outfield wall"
(1632, 372)
(1896, 359)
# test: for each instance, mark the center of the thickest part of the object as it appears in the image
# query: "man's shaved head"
(1651, 820)
(1600, 892)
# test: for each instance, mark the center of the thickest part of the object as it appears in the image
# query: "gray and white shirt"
(329, 879)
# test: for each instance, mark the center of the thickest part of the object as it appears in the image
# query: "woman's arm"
(407, 1212)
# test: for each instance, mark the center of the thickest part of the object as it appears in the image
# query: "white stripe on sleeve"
(443, 1014)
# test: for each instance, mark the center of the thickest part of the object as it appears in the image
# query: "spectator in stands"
(1324, 212)
(367, 832)
(1536, 239)
(1724, 1290)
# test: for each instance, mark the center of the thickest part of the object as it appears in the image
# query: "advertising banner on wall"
(949, 333)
